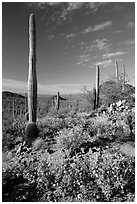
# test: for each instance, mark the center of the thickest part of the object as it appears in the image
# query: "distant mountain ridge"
(6, 94)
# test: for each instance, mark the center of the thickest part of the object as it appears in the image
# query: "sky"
(71, 40)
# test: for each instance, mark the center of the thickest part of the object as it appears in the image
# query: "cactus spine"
(97, 86)
(32, 76)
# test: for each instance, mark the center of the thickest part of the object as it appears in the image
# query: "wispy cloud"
(102, 44)
(71, 6)
(72, 35)
(66, 8)
(102, 26)
(90, 52)
(97, 46)
(104, 63)
(98, 27)
(14, 85)
(113, 54)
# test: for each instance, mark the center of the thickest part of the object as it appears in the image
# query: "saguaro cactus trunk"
(97, 86)
(58, 101)
(32, 76)
(117, 74)
(94, 95)
(31, 129)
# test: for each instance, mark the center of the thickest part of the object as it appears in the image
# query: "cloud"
(102, 26)
(97, 46)
(21, 87)
(102, 44)
(72, 35)
(87, 30)
(105, 63)
(94, 6)
(63, 10)
(98, 27)
(14, 85)
(113, 54)
(91, 51)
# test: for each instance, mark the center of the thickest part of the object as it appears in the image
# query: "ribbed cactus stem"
(32, 76)
(31, 128)
(97, 86)
(117, 74)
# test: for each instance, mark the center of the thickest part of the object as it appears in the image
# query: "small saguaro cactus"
(94, 96)
(117, 74)
(124, 73)
(58, 101)
(31, 129)
(97, 86)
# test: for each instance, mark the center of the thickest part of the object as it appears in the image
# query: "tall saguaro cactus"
(32, 76)
(117, 73)
(97, 85)
(31, 129)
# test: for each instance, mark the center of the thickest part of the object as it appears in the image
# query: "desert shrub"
(71, 139)
(72, 172)
(101, 176)
(13, 134)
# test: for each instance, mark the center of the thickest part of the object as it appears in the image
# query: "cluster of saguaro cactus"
(31, 128)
